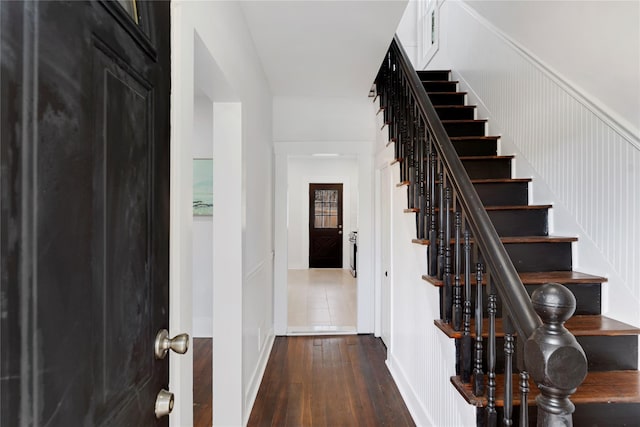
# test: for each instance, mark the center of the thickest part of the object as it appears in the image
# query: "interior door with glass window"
(325, 226)
(84, 212)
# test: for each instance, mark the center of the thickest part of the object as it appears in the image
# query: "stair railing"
(461, 243)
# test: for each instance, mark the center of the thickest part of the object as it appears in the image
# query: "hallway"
(328, 381)
(321, 300)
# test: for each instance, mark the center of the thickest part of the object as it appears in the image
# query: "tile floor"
(321, 300)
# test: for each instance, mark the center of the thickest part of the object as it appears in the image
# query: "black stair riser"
(516, 222)
(455, 113)
(547, 256)
(588, 298)
(440, 86)
(465, 128)
(488, 168)
(499, 193)
(476, 147)
(433, 75)
(588, 415)
(538, 256)
(447, 98)
(503, 193)
(610, 353)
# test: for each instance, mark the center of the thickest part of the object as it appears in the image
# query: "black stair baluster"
(441, 218)
(422, 232)
(457, 287)
(466, 349)
(409, 160)
(508, 370)
(492, 416)
(403, 132)
(524, 396)
(478, 375)
(523, 383)
(447, 291)
(433, 232)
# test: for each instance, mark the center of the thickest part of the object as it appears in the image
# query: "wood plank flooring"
(202, 386)
(328, 381)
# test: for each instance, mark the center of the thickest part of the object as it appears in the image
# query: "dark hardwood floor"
(328, 381)
(202, 387)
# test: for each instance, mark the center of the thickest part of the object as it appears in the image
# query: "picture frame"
(203, 187)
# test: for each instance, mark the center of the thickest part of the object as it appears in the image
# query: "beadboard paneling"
(588, 163)
(421, 357)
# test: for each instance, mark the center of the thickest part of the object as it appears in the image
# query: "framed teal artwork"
(202, 187)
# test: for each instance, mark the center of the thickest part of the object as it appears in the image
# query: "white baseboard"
(417, 411)
(256, 378)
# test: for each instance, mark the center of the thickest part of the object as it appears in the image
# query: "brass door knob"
(164, 403)
(179, 344)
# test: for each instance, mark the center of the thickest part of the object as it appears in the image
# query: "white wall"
(362, 152)
(202, 226)
(583, 160)
(303, 126)
(314, 119)
(595, 45)
(243, 187)
(302, 172)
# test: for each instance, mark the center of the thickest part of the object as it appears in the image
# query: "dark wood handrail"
(508, 283)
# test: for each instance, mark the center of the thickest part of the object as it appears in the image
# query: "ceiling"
(321, 48)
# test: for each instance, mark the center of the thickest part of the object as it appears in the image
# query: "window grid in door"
(326, 209)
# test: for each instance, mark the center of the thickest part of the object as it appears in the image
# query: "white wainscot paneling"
(582, 161)
(422, 358)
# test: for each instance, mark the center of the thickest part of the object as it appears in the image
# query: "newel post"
(553, 356)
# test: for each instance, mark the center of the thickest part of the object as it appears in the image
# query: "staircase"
(610, 393)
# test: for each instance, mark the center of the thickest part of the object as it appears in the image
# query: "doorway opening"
(216, 254)
(322, 209)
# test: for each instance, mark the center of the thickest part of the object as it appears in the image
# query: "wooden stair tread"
(497, 157)
(466, 138)
(598, 387)
(495, 180)
(440, 81)
(498, 180)
(580, 326)
(512, 207)
(540, 278)
(403, 183)
(517, 207)
(394, 161)
(446, 93)
(464, 121)
(504, 208)
(453, 106)
(517, 239)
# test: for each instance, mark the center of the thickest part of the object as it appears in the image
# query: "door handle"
(164, 403)
(179, 344)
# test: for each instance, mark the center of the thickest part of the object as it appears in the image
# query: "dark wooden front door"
(84, 211)
(325, 226)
